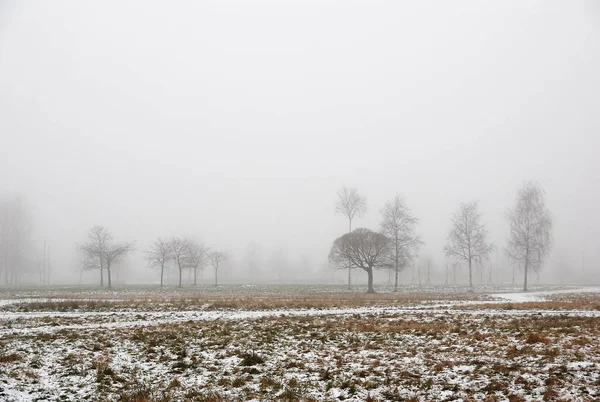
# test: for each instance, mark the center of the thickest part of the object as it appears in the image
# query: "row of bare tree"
(183, 254)
(529, 240)
(102, 253)
(396, 245)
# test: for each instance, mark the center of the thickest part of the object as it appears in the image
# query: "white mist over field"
(236, 124)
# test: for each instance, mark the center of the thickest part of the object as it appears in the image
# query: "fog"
(237, 122)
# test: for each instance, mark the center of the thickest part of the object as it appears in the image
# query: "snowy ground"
(295, 343)
(543, 295)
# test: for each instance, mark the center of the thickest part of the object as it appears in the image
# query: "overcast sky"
(239, 121)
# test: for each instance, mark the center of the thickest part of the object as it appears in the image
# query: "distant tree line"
(184, 254)
(396, 245)
(20, 254)
(100, 253)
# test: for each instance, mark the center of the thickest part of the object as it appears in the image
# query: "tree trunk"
(481, 273)
(47, 266)
(180, 276)
(216, 269)
(43, 269)
(162, 275)
(525, 281)
(470, 275)
(370, 282)
(446, 283)
(108, 272)
(396, 283)
(195, 275)
(428, 272)
(349, 274)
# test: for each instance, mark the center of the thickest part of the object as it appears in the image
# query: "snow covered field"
(299, 343)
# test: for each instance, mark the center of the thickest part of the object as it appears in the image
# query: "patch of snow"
(523, 297)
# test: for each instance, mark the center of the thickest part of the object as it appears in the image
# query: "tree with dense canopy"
(361, 248)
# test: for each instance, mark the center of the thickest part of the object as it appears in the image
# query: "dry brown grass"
(554, 324)
(575, 304)
(362, 354)
(441, 365)
(320, 300)
(259, 301)
(10, 358)
(361, 325)
(535, 337)
(561, 301)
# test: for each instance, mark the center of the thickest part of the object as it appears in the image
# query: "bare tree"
(158, 255)
(94, 250)
(530, 223)
(179, 250)
(252, 257)
(100, 252)
(15, 238)
(398, 223)
(467, 239)
(279, 262)
(115, 254)
(457, 264)
(87, 263)
(45, 271)
(197, 256)
(362, 249)
(215, 258)
(351, 205)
